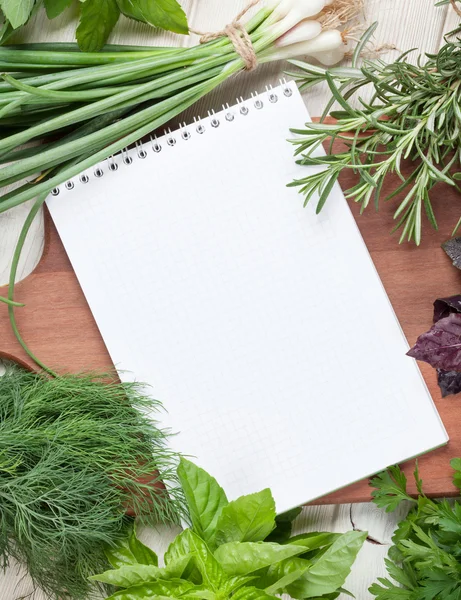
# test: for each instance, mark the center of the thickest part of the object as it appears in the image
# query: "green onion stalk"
(63, 111)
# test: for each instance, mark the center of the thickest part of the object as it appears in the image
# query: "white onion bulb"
(291, 12)
(330, 57)
(327, 41)
(306, 30)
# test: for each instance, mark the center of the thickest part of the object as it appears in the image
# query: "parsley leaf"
(97, 19)
(450, 518)
(55, 7)
(391, 489)
(425, 561)
(418, 480)
(389, 591)
(166, 14)
(17, 12)
(440, 585)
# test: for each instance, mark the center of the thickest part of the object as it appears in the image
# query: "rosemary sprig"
(414, 113)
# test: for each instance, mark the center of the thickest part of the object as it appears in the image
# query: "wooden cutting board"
(59, 328)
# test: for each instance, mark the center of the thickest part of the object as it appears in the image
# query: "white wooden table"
(404, 24)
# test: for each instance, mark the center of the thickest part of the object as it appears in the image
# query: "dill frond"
(76, 452)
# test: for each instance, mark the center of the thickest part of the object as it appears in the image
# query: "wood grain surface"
(59, 327)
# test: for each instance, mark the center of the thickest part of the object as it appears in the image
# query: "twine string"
(455, 7)
(238, 36)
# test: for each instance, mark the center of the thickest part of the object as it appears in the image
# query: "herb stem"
(12, 280)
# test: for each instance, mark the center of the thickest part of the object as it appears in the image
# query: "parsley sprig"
(414, 113)
(425, 561)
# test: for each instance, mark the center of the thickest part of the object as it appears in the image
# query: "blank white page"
(262, 327)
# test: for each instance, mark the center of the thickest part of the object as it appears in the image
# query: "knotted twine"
(239, 37)
(455, 7)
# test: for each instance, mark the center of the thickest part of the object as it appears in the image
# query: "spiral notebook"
(210, 281)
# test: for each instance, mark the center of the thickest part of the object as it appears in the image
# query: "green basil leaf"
(281, 534)
(179, 548)
(231, 584)
(55, 7)
(166, 589)
(333, 597)
(6, 31)
(346, 592)
(130, 551)
(142, 553)
(120, 555)
(282, 574)
(129, 575)
(177, 567)
(248, 519)
(329, 572)
(17, 12)
(211, 571)
(188, 543)
(290, 515)
(97, 19)
(283, 526)
(247, 557)
(315, 540)
(166, 14)
(279, 587)
(252, 593)
(137, 574)
(204, 496)
(200, 592)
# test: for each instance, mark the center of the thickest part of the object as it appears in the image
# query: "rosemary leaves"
(414, 113)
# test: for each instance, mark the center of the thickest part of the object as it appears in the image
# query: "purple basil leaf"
(449, 382)
(441, 345)
(453, 249)
(445, 306)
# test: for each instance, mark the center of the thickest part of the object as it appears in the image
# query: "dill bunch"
(77, 452)
(414, 113)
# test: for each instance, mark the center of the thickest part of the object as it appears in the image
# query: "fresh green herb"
(97, 17)
(226, 552)
(76, 452)
(283, 526)
(425, 561)
(414, 113)
(98, 103)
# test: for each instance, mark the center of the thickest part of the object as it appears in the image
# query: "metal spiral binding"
(185, 132)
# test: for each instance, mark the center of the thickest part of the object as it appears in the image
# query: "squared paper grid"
(209, 281)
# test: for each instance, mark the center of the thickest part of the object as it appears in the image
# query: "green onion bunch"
(84, 107)
(63, 111)
(77, 453)
(414, 113)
